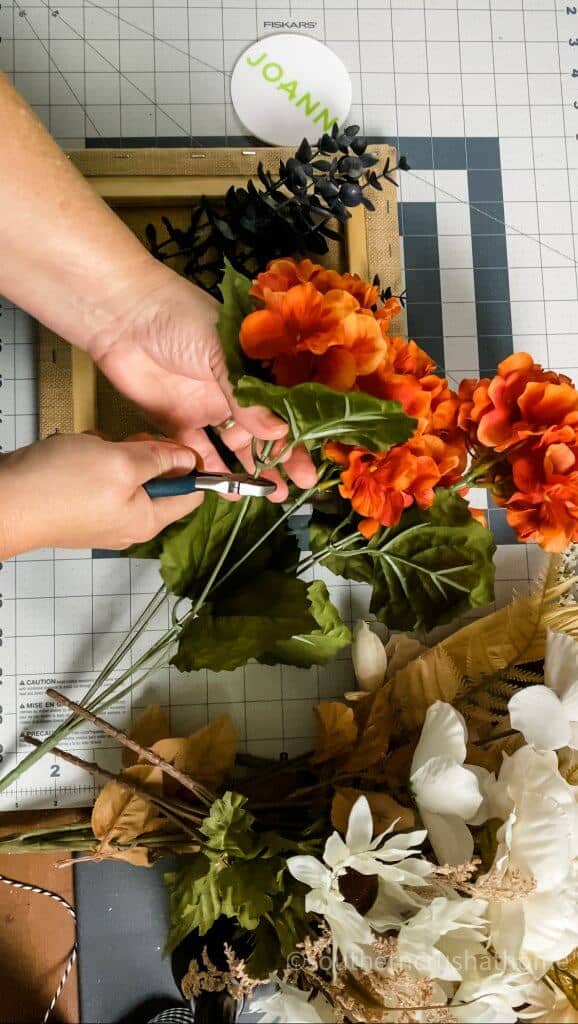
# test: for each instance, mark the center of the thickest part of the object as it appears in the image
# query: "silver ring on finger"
(225, 425)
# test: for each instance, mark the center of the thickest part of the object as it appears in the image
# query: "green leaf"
(235, 307)
(148, 549)
(279, 934)
(319, 646)
(229, 827)
(241, 874)
(246, 889)
(266, 955)
(244, 623)
(433, 566)
(316, 414)
(190, 549)
(195, 900)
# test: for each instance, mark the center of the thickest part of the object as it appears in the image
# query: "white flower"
(442, 936)
(391, 859)
(549, 1005)
(489, 994)
(539, 838)
(349, 931)
(446, 791)
(547, 716)
(368, 656)
(538, 844)
(288, 1005)
(538, 929)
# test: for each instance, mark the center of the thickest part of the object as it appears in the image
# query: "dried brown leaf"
(384, 809)
(208, 755)
(122, 816)
(149, 727)
(138, 856)
(513, 635)
(565, 976)
(373, 720)
(434, 676)
(489, 757)
(336, 731)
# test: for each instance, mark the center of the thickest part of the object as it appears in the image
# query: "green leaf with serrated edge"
(228, 827)
(195, 901)
(191, 548)
(316, 414)
(235, 307)
(244, 623)
(319, 646)
(247, 889)
(240, 874)
(278, 935)
(434, 565)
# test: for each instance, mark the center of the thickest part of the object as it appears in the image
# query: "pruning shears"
(221, 483)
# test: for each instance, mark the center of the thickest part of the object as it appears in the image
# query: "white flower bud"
(369, 657)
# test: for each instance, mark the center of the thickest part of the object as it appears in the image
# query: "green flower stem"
(63, 730)
(161, 662)
(98, 700)
(301, 500)
(478, 470)
(330, 549)
(221, 560)
(159, 645)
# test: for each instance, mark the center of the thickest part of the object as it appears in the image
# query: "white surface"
(290, 86)
(156, 68)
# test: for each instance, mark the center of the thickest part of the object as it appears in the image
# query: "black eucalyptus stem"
(288, 215)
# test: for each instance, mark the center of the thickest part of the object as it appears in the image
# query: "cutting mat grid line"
(479, 94)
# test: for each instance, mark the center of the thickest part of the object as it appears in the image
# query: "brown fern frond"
(522, 675)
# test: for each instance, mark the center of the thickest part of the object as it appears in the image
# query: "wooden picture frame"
(142, 184)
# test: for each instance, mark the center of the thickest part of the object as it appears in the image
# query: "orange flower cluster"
(521, 427)
(380, 486)
(314, 324)
(530, 415)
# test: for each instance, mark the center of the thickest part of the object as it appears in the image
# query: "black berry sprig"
(293, 212)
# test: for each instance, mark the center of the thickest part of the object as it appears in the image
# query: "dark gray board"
(122, 925)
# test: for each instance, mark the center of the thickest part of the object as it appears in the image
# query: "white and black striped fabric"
(178, 1015)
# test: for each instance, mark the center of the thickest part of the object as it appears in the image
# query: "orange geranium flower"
(385, 314)
(544, 506)
(380, 486)
(308, 335)
(429, 399)
(399, 387)
(408, 357)
(521, 401)
(283, 274)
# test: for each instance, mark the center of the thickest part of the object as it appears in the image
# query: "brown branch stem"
(95, 769)
(200, 792)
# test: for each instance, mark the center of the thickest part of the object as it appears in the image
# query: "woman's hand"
(81, 492)
(165, 354)
(71, 262)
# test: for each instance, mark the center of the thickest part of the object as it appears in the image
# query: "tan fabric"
(115, 416)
